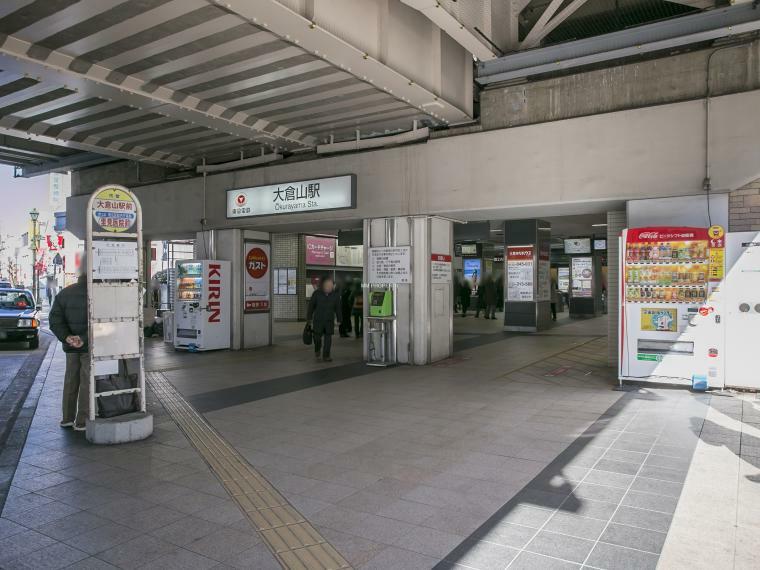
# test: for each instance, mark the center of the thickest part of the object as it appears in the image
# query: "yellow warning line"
(294, 542)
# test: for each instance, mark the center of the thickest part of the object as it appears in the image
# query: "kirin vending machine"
(202, 305)
(671, 315)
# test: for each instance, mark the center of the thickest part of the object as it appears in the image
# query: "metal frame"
(686, 30)
(137, 237)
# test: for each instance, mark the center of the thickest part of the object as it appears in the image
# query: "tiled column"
(285, 255)
(744, 208)
(616, 223)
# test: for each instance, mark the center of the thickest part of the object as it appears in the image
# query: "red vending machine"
(671, 321)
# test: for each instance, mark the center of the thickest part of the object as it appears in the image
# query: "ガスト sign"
(335, 193)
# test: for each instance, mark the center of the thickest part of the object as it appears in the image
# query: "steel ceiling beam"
(291, 26)
(58, 69)
(79, 160)
(678, 32)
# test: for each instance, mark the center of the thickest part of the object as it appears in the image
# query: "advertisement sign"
(472, 271)
(389, 265)
(578, 245)
(292, 281)
(320, 250)
(563, 279)
(114, 259)
(520, 273)
(113, 210)
(717, 255)
(256, 294)
(659, 320)
(582, 273)
(440, 268)
(335, 193)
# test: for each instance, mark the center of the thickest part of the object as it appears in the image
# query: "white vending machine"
(202, 305)
(672, 310)
(742, 300)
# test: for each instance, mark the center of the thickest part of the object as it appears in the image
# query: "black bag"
(111, 406)
(308, 335)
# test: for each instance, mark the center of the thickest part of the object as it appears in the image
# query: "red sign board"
(440, 257)
(320, 250)
(519, 252)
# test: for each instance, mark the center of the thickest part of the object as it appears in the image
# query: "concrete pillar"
(533, 313)
(616, 223)
(424, 308)
(247, 330)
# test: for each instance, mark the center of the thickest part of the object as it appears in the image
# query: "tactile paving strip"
(295, 543)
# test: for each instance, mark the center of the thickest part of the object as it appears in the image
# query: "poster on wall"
(582, 274)
(292, 281)
(320, 250)
(350, 256)
(440, 268)
(390, 265)
(563, 279)
(257, 287)
(520, 273)
(544, 273)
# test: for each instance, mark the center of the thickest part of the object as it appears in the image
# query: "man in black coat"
(324, 309)
(69, 323)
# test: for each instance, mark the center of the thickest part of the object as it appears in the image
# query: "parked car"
(19, 318)
(5, 284)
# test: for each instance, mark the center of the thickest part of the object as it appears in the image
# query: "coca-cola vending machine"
(202, 305)
(671, 308)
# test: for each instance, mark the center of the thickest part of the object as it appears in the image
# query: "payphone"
(381, 304)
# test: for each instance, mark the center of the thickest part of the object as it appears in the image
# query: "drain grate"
(295, 543)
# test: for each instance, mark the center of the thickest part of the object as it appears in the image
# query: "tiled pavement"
(515, 454)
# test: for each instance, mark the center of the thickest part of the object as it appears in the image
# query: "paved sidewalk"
(516, 453)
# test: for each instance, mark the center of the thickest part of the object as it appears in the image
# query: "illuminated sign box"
(316, 195)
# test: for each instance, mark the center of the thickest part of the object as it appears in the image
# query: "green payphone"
(381, 304)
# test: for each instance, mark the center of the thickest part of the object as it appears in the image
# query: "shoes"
(326, 359)
(318, 358)
(66, 424)
(78, 427)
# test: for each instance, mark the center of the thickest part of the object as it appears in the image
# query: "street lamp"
(34, 214)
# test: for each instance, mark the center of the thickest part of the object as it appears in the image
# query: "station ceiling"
(174, 81)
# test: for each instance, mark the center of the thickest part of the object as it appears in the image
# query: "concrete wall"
(586, 164)
(744, 208)
(653, 82)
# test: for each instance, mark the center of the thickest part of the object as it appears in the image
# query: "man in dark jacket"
(346, 300)
(324, 309)
(69, 323)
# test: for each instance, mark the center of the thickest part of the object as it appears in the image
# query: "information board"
(582, 273)
(440, 268)
(544, 272)
(257, 286)
(520, 273)
(389, 265)
(114, 259)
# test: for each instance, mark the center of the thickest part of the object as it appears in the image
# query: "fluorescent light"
(598, 225)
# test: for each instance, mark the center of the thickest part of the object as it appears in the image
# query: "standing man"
(69, 323)
(324, 309)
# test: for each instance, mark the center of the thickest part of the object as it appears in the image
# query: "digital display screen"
(578, 245)
(469, 249)
(600, 244)
(472, 270)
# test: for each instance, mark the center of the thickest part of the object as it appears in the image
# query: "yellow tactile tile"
(295, 543)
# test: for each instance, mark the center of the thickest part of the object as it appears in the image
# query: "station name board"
(319, 194)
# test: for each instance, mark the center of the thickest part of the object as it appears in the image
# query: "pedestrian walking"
(324, 310)
(357, 311)
(489, 297)
(464, 296)
(554, 299)
(69, 323)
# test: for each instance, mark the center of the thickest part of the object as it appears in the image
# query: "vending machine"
(202, 305)
(671, 315)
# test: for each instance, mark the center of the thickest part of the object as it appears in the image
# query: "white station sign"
(319, 194)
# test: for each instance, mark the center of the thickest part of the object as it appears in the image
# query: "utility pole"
(34, 214)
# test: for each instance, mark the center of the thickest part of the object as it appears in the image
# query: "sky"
(17, 197)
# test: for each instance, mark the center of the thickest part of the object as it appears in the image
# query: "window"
(15, 300)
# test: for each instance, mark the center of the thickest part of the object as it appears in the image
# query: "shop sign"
(659, 320)
(389, 265)
(440, 268)
(320, 250)
(520, 273)
(319, 194)
(257, 287)
(113, 210)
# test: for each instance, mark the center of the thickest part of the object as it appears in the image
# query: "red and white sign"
(520, 272)
(636, 235)
(440, 268)
(214, 292)
(257, 284)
